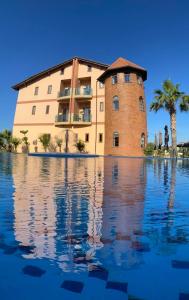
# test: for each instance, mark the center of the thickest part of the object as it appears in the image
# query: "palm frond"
(155, 106)
(184, 104)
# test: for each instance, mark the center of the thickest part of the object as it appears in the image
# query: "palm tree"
(59, 142)
(25, 147)
(168, 98)
(6, 135)
(16, 142)
(45, 140)
(2, 145)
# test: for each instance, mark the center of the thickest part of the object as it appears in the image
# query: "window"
(101, 85)
(115, 173)
(115, 103)
(101, 106)
(100, 137)
(49, 90)
(62, 72)
(127, 77)
(47, 109)
(142, 141)
(139, 80)
(89, 68)
(115, 139)
(87, 137)
(141, 104)
(36, 91)
(114, 79)
(33, 110)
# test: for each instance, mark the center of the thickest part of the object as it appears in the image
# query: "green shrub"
(149, 150)
(80, 145)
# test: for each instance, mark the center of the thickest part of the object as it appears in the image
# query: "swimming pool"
(92, 229)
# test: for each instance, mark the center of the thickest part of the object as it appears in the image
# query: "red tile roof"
(122, 63)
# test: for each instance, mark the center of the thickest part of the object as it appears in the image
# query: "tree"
(168, 99)
(6, 135)
(2, 145)
(24, 132)
(59, 142)
(16, 142)
(25, 148)
(149, 150)
(80, 145)
(45, 139)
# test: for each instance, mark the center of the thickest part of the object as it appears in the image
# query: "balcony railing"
(64, 93)
(87, 91)
(61, 118)
(79, 92)
(82, 118)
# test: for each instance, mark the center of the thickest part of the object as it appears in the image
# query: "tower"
(125, 109)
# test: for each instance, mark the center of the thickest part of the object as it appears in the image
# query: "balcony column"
(73, 86)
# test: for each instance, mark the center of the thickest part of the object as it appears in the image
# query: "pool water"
(93, 228)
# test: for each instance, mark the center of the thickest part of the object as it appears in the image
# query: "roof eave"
(112, 70)
(42, 74)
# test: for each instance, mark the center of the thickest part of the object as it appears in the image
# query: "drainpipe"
(96, 119)
(71, 96)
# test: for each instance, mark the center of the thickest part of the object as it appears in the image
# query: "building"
(82, 99)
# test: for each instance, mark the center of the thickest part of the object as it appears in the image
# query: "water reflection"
(106, 211)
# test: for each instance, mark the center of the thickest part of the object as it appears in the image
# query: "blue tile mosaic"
(33, 271)
(119, 286)
(73, 286)
(179, 264)
(184, 296)
(98, 272)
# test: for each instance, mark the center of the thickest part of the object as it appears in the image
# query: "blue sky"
(38, 34)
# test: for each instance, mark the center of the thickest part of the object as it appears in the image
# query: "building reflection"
(58, 208)
(123, 210)
(83, 212)
(166, 218)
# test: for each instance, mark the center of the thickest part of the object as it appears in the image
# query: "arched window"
(115, 139)
(139, 79)
(141, 104)
(115, 103)
(142, 140)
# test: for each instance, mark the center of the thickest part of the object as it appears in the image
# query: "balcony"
(64, 94)
(82, 119)
(83, 92)
(62, 119)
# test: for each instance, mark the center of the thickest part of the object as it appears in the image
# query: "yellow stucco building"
(68, 101)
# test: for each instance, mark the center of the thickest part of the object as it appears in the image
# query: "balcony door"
(86, 113)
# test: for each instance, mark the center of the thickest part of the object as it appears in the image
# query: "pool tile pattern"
(99, 272)
(73, 286)
(119, 286)
(184, 296)
(180, 264)
(33, 271)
